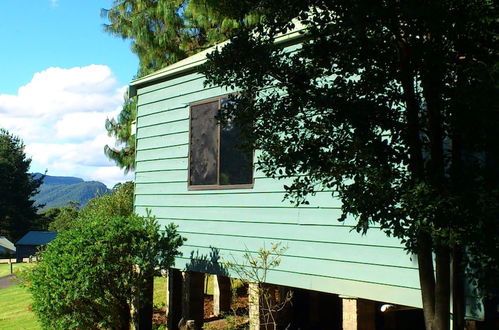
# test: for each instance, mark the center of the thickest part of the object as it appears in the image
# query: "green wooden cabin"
(223, 221)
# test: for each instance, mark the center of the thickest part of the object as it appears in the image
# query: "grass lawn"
(15, 302)
(15, 310)
(159, 295)
(160, 284)
(5, 268)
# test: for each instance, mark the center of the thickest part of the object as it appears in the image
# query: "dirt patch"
(236, 319)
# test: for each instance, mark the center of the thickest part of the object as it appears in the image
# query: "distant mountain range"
(60, 190)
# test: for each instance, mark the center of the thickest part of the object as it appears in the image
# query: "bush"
(89, 275)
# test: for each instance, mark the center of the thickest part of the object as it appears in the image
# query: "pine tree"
(162, 33)
(17, 187)
(121, 129)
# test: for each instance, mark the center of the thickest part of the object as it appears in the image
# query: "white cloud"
(60, 115)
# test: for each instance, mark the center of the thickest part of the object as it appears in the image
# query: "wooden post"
(193, 298)
(222, 294)
(145, 304)
(173, 299)
(10, 263)
(358, 314)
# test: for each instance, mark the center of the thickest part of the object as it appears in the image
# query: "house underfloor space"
(217, 302)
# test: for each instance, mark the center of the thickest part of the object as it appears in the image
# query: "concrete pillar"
(173, 299)
(254, 306)
(222, 294)
(358, 314)
(193, 298)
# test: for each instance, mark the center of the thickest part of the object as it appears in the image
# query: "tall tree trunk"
(412, 112)
(427, 279)
(125, 317)
(431, 82)
(442, 289)
(458, 299)
(435, 291)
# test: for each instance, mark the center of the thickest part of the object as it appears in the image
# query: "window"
(214, 160)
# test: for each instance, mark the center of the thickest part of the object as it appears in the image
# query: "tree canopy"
(17, 188)
(391, 104)
(162, 33)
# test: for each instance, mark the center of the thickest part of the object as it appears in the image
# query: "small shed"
(29, 244)
(6, 246)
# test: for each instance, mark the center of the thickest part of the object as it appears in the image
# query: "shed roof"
(36, 238)
(5, 243)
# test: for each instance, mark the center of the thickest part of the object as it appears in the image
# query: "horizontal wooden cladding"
(260, 185)
(170, 140)
(255, 215)
(162, 153)
(178, 81)
(322, 199)
(182, 88)
(285, 229)
(163, 129)
(172, 100)
(347, 287)
(360, 272)
(184, 82)
(170, 116)
(166, 176)
(161, 165)
(335, 251)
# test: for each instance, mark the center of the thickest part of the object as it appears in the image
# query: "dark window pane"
(236, 166)
(204, 144)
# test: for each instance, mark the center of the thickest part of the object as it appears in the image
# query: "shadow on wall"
(207, 263)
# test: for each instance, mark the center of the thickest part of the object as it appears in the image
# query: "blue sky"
(61, 76)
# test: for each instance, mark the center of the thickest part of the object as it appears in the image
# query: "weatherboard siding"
(322, 254)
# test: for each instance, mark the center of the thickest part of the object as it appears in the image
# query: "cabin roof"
(35, 237)
(5, 243)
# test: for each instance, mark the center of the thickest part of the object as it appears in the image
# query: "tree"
(121, 129)
(162, 33)
(394, 106)
(17, 187)
(91, 275)
(60, 218)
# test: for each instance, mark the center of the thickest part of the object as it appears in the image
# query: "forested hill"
(60, 190)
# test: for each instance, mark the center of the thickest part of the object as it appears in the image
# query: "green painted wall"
(322, 253)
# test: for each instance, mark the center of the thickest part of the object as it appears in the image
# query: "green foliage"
(61, 218)
(17, 188)
(88, 276)
(120, 128)
(391, 104)
(162, 33)
(119, 202)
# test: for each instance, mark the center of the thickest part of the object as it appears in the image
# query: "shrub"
(89, 275)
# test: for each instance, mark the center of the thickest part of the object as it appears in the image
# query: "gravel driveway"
(7, 281)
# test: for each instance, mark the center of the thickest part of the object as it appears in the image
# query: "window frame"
(217, 186)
